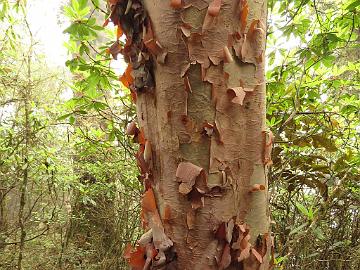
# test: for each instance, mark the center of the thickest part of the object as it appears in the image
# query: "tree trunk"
(204, 147)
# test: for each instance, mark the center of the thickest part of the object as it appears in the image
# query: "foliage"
(313, 110)
(81, 187)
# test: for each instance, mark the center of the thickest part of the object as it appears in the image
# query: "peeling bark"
(203, 118)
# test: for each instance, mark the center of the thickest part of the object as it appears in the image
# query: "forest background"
(69, 187)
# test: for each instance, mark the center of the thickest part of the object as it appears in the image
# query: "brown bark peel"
(204, 115)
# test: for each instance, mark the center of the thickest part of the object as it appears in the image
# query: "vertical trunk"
(25, 178)
(204, 118)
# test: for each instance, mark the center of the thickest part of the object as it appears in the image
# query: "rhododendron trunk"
(196, 72)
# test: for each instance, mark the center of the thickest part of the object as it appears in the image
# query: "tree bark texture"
(196, 73)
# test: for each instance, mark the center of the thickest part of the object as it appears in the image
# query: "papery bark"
(203, 62)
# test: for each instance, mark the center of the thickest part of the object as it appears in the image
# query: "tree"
(196, 73)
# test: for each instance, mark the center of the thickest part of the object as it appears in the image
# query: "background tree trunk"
(205, 123)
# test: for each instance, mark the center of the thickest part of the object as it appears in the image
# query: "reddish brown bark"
(198, 76)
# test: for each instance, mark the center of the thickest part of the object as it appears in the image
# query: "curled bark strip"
(146, 238)
(261, 245)
(186, 30)
(229, 230)
(208, 21)
(268, 144)
(187, 84)
(252, 49)
(143, 166)
(132, 129)
(187, 173)
(127, 78)
(176, 4)
(214, 8)
(196, 197)
(220, 232)
(257, 187)
(256, 255)
(115, 49)
(217, 129)
(225, 258)
(151, 252)
(132, 20)
(190, 219)
(161, 241)
(227, 55)
(135, 257)
(242, 243)
(147, 152)
(208, 129)
(148, 202)
(244, 11)
(237, 94)
(167, 214)
(153, 45)
(119, 32)
(106, 22)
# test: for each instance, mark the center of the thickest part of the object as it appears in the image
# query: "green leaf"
(353, 5)
(65, 116)
(83, 4)
(75, 5)
(302, 209)
(298, 229)
(71, 120)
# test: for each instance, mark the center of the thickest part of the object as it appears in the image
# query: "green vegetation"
(69, 188)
